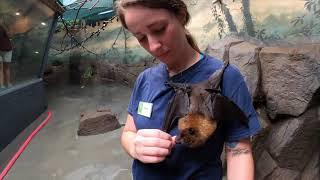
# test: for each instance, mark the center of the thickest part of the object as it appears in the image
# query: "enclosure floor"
(58, 153)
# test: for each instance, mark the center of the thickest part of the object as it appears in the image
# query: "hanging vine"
(217, 16)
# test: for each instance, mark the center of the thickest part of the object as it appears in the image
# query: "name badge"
(145, 109)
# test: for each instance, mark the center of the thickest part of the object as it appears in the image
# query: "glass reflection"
(24, 27)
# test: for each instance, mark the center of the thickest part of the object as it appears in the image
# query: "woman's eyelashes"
(156, 31)
(159, 30)
(141, 39)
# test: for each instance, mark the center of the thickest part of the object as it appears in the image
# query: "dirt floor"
(58, 153)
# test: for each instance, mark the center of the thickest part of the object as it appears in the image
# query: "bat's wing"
(227, 111)
(177, 108)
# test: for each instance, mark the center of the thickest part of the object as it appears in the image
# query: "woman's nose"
(154, 45)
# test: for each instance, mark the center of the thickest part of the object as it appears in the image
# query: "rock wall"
(285, 84)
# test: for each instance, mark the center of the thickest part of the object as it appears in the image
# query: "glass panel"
(25, 28)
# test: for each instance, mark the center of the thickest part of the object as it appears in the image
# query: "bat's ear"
(215, 79)
(227, 111)
(212, 91)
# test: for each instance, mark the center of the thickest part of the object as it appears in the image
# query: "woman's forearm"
(128, 136)
(240, 165)
(127, 142)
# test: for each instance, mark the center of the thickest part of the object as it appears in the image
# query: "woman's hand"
(152, 145)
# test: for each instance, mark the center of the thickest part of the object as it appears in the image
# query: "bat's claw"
(178, 140)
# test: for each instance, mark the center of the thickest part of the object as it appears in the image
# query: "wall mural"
(288, 20)
(270, 22)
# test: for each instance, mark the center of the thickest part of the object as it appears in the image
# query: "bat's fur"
(195, 129)
(199, 107)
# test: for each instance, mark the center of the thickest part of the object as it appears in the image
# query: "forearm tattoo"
(236, 151)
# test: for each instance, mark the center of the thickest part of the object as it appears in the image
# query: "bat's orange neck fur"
(205, 126)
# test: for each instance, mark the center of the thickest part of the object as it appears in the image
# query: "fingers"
(151, 159)
(174, 140)
(153, 142)
(152, 145)
(154, 133)
(153, 151)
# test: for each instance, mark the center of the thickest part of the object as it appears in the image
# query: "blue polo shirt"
(189, 163)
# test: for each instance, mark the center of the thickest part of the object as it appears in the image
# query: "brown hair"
(177, 7)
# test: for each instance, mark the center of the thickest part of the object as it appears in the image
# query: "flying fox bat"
(197, 108)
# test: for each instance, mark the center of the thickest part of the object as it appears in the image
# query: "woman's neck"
(184, 60)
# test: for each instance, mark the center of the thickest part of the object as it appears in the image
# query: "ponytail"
(192, 42)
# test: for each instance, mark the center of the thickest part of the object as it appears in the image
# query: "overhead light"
(43, 23)
(67, 2)
(36, 52)
(17, 14)
(105, 12)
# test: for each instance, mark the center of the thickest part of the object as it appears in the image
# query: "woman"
(159, 26)
(5, 58)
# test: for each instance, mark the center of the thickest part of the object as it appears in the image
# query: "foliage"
(217, 16)
(88, 73)
(313, 6)
(273, 27)
(310, 28)
(261, 34)
(298, 20)
(306, 28)
(224, 18)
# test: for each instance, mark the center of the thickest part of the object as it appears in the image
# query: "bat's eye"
(188, 91)
(213, 91)
(191, 131)
(208, 90)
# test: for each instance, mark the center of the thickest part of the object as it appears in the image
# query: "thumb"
(173, 140)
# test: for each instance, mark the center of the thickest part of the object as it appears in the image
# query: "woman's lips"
(162, 55)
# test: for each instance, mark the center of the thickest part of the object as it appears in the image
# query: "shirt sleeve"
(241, 96)
(132, 106)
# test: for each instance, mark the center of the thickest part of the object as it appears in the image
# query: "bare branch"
(70, 34)
(75, 19)
(94, 4)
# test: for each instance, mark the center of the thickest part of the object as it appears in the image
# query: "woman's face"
(158, 31)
